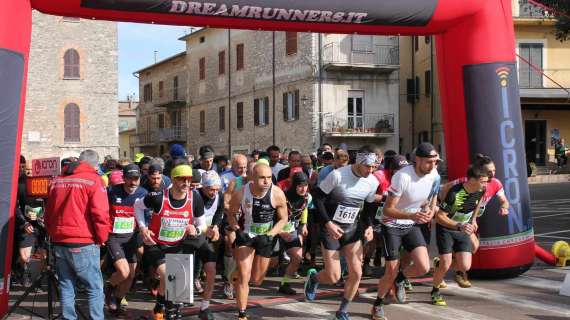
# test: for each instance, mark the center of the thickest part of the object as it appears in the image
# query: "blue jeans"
(80, 263)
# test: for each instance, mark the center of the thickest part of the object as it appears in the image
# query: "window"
(427, 39)
(71, 64)
(160, 89)
(222, 118)
(202, 39)
(161, 121)
(202, 121)
(147, 92)
(239, 56)
(261, 111)
(175, 89)
(202, 68)
(291, 105)
(239, 115)
(531, 52)
(221, 62)
(423, 137)
(412, 88)
(427, 82)
(71, 123)
(290, 43)
(355, 110)
(416, 42)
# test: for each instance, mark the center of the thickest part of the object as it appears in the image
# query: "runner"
(178, 212)
(239, 168)
(123, 243)
(455, 225)
(345, 203)
(294, 159)
(410, 203)
(274, 156)
(294, 233)
(263, 215)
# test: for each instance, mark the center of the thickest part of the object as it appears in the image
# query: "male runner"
(410, 204)
(122, 244)
(345, 205)
(262, 210)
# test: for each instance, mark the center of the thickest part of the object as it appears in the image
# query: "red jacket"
(77, 210)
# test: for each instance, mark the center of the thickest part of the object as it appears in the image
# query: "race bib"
(172, 229)
(345, 215)
(209, 220)
(123, 225)
(379, 212)
(462, 217)
(260, 228)
(289, 227)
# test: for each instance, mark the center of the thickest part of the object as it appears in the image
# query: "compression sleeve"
(369, 212)
(304, 216)
(319, 199)
(219, 215)
(198, 211)
(140, 208)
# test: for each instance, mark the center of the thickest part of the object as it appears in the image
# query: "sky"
(137, 43)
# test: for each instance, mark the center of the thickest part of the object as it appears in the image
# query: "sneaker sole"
(309, 274)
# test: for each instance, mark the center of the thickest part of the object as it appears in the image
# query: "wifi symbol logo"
(503, 74)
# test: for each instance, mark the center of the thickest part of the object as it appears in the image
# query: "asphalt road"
(532, 296)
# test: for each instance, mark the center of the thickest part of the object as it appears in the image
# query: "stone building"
(71, 98)
(127, 127)
(246, 90)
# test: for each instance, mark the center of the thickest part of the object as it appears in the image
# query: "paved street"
(532, 296)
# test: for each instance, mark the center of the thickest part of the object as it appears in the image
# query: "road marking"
(551, 232)
(551, 215)
(553, 237)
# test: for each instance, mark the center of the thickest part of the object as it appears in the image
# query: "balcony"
(143, 139)
(173, 134)
(372, 58)
(368, 125)
(171, 97)
(543, 84)
(528, 10)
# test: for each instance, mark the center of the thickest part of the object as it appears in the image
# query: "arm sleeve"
(368, 213)
(304, 216)
(198, 211)
(219, 215)
(283, 174)
(319, 199)
(140, 212)
(20, 217)
(99, 212)
(153, 201)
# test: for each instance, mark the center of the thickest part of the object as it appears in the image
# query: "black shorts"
(123, 247)
(201, 247)
(155, 254)
(410, 238)
(351, 235)
(26, 240)
(295, 243)
(426, 232)
(451, 241)
(261, 248)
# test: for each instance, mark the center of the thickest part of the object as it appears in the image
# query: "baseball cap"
(131, 171)
(397, 162)
(154, 168)
(426, 150)
(116, 177)
(327, 155)
(182, 170)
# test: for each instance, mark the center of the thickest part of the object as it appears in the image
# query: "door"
(355, 109)
(535, 141)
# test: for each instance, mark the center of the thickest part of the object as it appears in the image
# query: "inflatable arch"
(477, 76)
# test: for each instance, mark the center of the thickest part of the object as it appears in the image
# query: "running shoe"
(462, 280)
(242, 316)
(206, 315)
(408, 286)
(229, 291)
(286, 289)
(378, 313)
(27, 279)
(124, 302)
(339, 315)
(296, 275)
(311, 285)
(110, 299)
(158, 311)
(400, 291)
(436, 262)
(442, 285)
(437, 299)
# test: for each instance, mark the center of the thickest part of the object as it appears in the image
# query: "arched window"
(71, 64)
(71, 119)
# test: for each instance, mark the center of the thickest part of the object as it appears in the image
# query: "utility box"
(180, 278)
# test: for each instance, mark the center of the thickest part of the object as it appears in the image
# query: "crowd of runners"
(335, 211)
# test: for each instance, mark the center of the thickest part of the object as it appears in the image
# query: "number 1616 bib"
(345, 215)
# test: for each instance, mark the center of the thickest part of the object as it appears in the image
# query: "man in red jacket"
(77, 220)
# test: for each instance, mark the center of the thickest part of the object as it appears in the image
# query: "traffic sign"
(46, 167)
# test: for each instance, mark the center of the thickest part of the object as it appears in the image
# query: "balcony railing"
(171, 97)
(375, 55)
(368, 124)
(143, 139)
(529, 10)
(173, 134)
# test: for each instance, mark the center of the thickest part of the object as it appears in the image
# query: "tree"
(561, 10)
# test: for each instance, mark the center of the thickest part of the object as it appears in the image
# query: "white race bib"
(260, 228)
(123, 225)
(345, 215)
(172, 229)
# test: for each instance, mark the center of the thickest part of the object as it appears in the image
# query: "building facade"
(71, 98)
(544, 79)
(246, 90)
(127, 127)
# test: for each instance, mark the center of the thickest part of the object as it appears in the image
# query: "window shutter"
(256, 112)
(285, 107)
(296, 114)
(266, 113)
(71, 64)
(71, 123)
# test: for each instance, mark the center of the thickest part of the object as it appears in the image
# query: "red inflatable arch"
(477, 76)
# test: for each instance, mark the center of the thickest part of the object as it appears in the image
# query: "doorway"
(535, 141)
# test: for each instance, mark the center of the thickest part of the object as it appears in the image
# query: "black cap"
(131, 171)
(426, 150)
(208, 154)
(397, 162)
(327, 155)
(154, 168)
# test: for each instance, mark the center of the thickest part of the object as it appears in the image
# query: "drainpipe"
(273, 84)
(432, 99)
(414, 93)
(229, 94)
(320, 84)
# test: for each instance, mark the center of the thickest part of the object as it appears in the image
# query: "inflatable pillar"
(15, 33)
(477, 57)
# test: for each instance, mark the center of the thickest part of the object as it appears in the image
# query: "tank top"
(258, 214)
(169, 225)
(210, 212)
